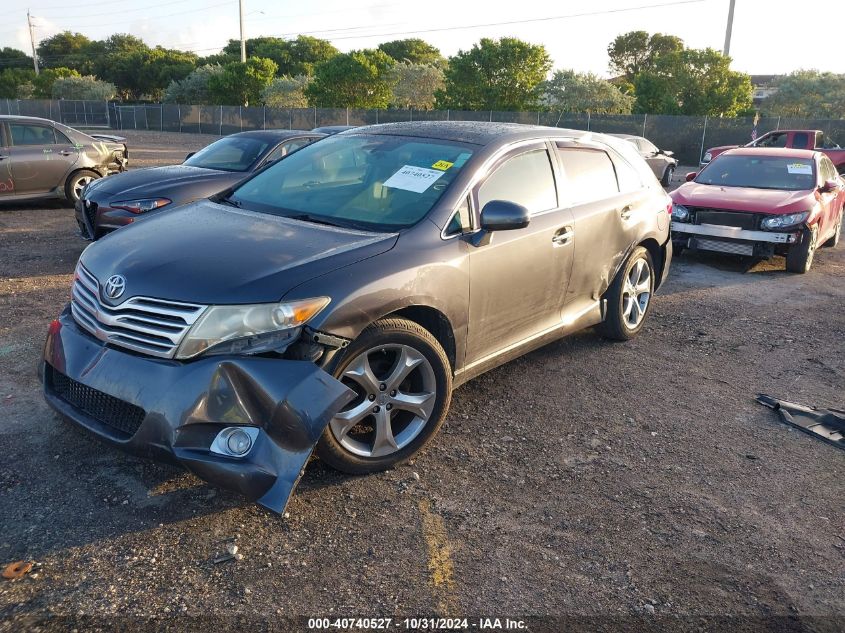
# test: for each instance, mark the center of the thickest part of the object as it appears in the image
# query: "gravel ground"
(617, 485)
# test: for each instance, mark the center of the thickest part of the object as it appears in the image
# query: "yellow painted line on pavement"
(440, 566)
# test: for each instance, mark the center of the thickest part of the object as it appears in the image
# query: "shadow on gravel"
(74, 490)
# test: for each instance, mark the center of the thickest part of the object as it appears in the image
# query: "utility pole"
(243, 41)
(727, 50)
(32, 40)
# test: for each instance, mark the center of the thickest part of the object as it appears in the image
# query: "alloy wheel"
(396, 392)
(79, 185)
(636, 293)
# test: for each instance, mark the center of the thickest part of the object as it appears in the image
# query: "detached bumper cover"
(734, 233)
(179, 408)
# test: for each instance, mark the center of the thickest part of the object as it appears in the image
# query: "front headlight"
(141, 206)
(249, 329)
(680, 213)
(783, 221)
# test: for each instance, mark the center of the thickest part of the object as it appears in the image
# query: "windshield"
(233, 153)
(760, 172)
(381, 183)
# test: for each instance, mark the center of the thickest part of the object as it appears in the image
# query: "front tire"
(667, 176)
(403, 384)
(799, 257)
(629, 297)
(76, 183)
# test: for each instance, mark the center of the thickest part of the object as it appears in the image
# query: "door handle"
(3, 157)
(66, 152)
(563, 236)
(625, 213)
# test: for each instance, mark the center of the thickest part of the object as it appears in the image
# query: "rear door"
(611, 207)
(39, 163)
(518, 279)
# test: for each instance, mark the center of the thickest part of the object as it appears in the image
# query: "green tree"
(13, 58)
(415, 85)
(105, 55)
(147, 72)
(413, 50)
(87, 87)
(505, 74)
(193, 89)
(287, 92)
(359, 79)
(637, 51)
(15, 82)
(66, 49)
(568, 91)
(293, 57)
(693, 82)
(43, 83)
(242, 83)
(808, 93)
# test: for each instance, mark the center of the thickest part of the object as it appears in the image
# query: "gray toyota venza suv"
(335, 299)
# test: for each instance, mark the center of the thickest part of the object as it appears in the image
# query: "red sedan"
(761, 202)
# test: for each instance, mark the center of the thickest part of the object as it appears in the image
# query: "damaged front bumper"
(174, 410)
(733, 240)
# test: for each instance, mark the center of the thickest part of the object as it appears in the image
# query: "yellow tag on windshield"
(442, 165)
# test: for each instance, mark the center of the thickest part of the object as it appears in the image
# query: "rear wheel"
(667, 176)
(403, 385)
(76, 183)
(629, 297)
(799, 257)
(834, 240)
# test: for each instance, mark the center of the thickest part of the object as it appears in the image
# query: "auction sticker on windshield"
(804, 169)
(416, 179)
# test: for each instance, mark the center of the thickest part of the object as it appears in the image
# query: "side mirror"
(691, 176)
(189, 155)
(501, 215)
(828, 186)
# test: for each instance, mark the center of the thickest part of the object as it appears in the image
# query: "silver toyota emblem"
(115, 285)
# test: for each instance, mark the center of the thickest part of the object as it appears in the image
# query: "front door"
(7, 185)
(518, 279)
(39, 163)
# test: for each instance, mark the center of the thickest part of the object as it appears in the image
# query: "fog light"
(238, 442)
(234, 441)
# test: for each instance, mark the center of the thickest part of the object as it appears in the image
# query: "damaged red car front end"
(761, 203)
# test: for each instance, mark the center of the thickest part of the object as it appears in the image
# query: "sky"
(768, 37)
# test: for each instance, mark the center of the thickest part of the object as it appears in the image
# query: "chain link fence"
(687, 136)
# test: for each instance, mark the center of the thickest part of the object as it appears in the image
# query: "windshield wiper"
(227, 200)
(319, 219)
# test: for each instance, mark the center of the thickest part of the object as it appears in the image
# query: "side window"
(799, 140)
(627, 177)
(525, 179)
(286, 148)
(648, 147)
(775, 140)
(61, 139)
(589, 173)
(461, 221)
(31, 134)
(819, 140)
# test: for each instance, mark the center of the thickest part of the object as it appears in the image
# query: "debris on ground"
(826, 424)
(16, 570)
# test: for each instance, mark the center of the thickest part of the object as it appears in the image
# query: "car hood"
(159, 181)
(721, 148)
(214, 254)
(770, 201)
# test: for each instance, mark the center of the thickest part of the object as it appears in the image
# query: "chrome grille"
(150, 326)
(734, 248)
